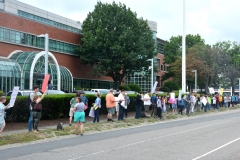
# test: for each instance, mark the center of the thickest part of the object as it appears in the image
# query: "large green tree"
(116, 43)
(173, 47)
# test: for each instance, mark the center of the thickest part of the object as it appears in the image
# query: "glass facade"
(1, 4)
(138, 78)
(90, 84)
(47, 21)
(26, 39)
(10, 74)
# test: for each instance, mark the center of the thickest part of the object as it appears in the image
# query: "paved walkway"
(49, 124)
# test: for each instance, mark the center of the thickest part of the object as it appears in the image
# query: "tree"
(229, 61)
(115, 43)
(173, 47)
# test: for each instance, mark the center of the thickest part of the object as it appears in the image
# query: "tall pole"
(152, 76)
(196, 81)
(46, 53)
(183, 53)
(238, 86)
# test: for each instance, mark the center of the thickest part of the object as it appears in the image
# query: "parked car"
(101, 91)
(55, 92)
(130, 92)
(85, 92)
(23, 93)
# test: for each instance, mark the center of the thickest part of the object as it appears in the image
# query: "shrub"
(1, 93)
(126, 88)
(54, 107)
(165, 89)
(171, 85)
(135, 87)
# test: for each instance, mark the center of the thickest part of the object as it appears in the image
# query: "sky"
(213, 20)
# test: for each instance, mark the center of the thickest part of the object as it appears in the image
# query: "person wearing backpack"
(181, 104)
(30, 100)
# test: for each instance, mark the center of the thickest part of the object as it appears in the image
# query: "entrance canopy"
(29, 68)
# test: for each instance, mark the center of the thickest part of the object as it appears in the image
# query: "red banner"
(45, 83)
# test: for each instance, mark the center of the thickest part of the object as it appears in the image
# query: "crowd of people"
(117, 104)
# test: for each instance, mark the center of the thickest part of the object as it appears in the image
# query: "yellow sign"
(221, 91)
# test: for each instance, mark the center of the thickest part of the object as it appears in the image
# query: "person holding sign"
(37, 110)
(2, 112)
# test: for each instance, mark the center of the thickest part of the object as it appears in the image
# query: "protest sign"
(13, 96)
(45, 82)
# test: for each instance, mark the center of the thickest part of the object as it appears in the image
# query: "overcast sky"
(214, 20)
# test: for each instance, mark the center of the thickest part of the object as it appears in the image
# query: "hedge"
(54, 107)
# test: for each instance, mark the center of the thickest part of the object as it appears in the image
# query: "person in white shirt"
(192, 101)
(122, 105)
(147, 102)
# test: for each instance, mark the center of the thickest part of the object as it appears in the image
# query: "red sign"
(45, 82)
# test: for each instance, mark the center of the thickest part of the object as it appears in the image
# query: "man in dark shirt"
(138, 104)
(154, 105)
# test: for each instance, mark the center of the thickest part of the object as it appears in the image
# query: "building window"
(162, 67)
(46, 21)
(16, 37)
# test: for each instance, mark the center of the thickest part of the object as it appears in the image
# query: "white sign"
(172, 95)
(211, 90)
(154, 87)
(13, 96)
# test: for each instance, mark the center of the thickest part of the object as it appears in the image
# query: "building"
(22, 52)
(144, 79)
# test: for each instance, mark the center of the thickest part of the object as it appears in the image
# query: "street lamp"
(238, 86)
(46, 51)
(195, 80)
(151, 72)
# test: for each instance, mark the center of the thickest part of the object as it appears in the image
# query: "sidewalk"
(20, 127)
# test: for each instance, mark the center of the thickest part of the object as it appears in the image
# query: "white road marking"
(149, 140)
(216, 149)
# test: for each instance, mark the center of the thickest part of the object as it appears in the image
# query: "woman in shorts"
(79, 115)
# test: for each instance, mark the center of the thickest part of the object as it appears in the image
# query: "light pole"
(238, 86)
(46, 51)
(183, 53)
(195, 80)
(151, 72)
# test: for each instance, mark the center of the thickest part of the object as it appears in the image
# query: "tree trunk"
(116, 84)
(233, 88)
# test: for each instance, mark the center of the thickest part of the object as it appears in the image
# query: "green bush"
(171, 85)
(1, 93)
(135, 87)
(126, 88)
(165, 89)
(54, 107)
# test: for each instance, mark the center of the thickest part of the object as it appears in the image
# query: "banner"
(154, 87)
(45, 83)
(221, 91)
(13, 96)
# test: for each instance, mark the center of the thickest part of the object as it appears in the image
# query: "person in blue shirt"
(96, 112)
(233, 100)
(154, 105)
(84, 99)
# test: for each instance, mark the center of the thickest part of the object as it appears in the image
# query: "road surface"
(206, 137)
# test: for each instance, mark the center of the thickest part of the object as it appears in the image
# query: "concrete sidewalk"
(103, 118)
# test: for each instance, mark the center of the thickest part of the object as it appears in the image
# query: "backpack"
(60, 126)
(29, 99)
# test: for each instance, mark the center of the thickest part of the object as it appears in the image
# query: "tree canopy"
(115, 43)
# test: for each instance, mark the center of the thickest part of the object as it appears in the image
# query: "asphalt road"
(210, 137)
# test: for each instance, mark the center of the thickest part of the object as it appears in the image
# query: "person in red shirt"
(217, 101)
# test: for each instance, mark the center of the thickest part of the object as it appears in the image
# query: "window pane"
(6, 35)
(18, 38)
(1, 33)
